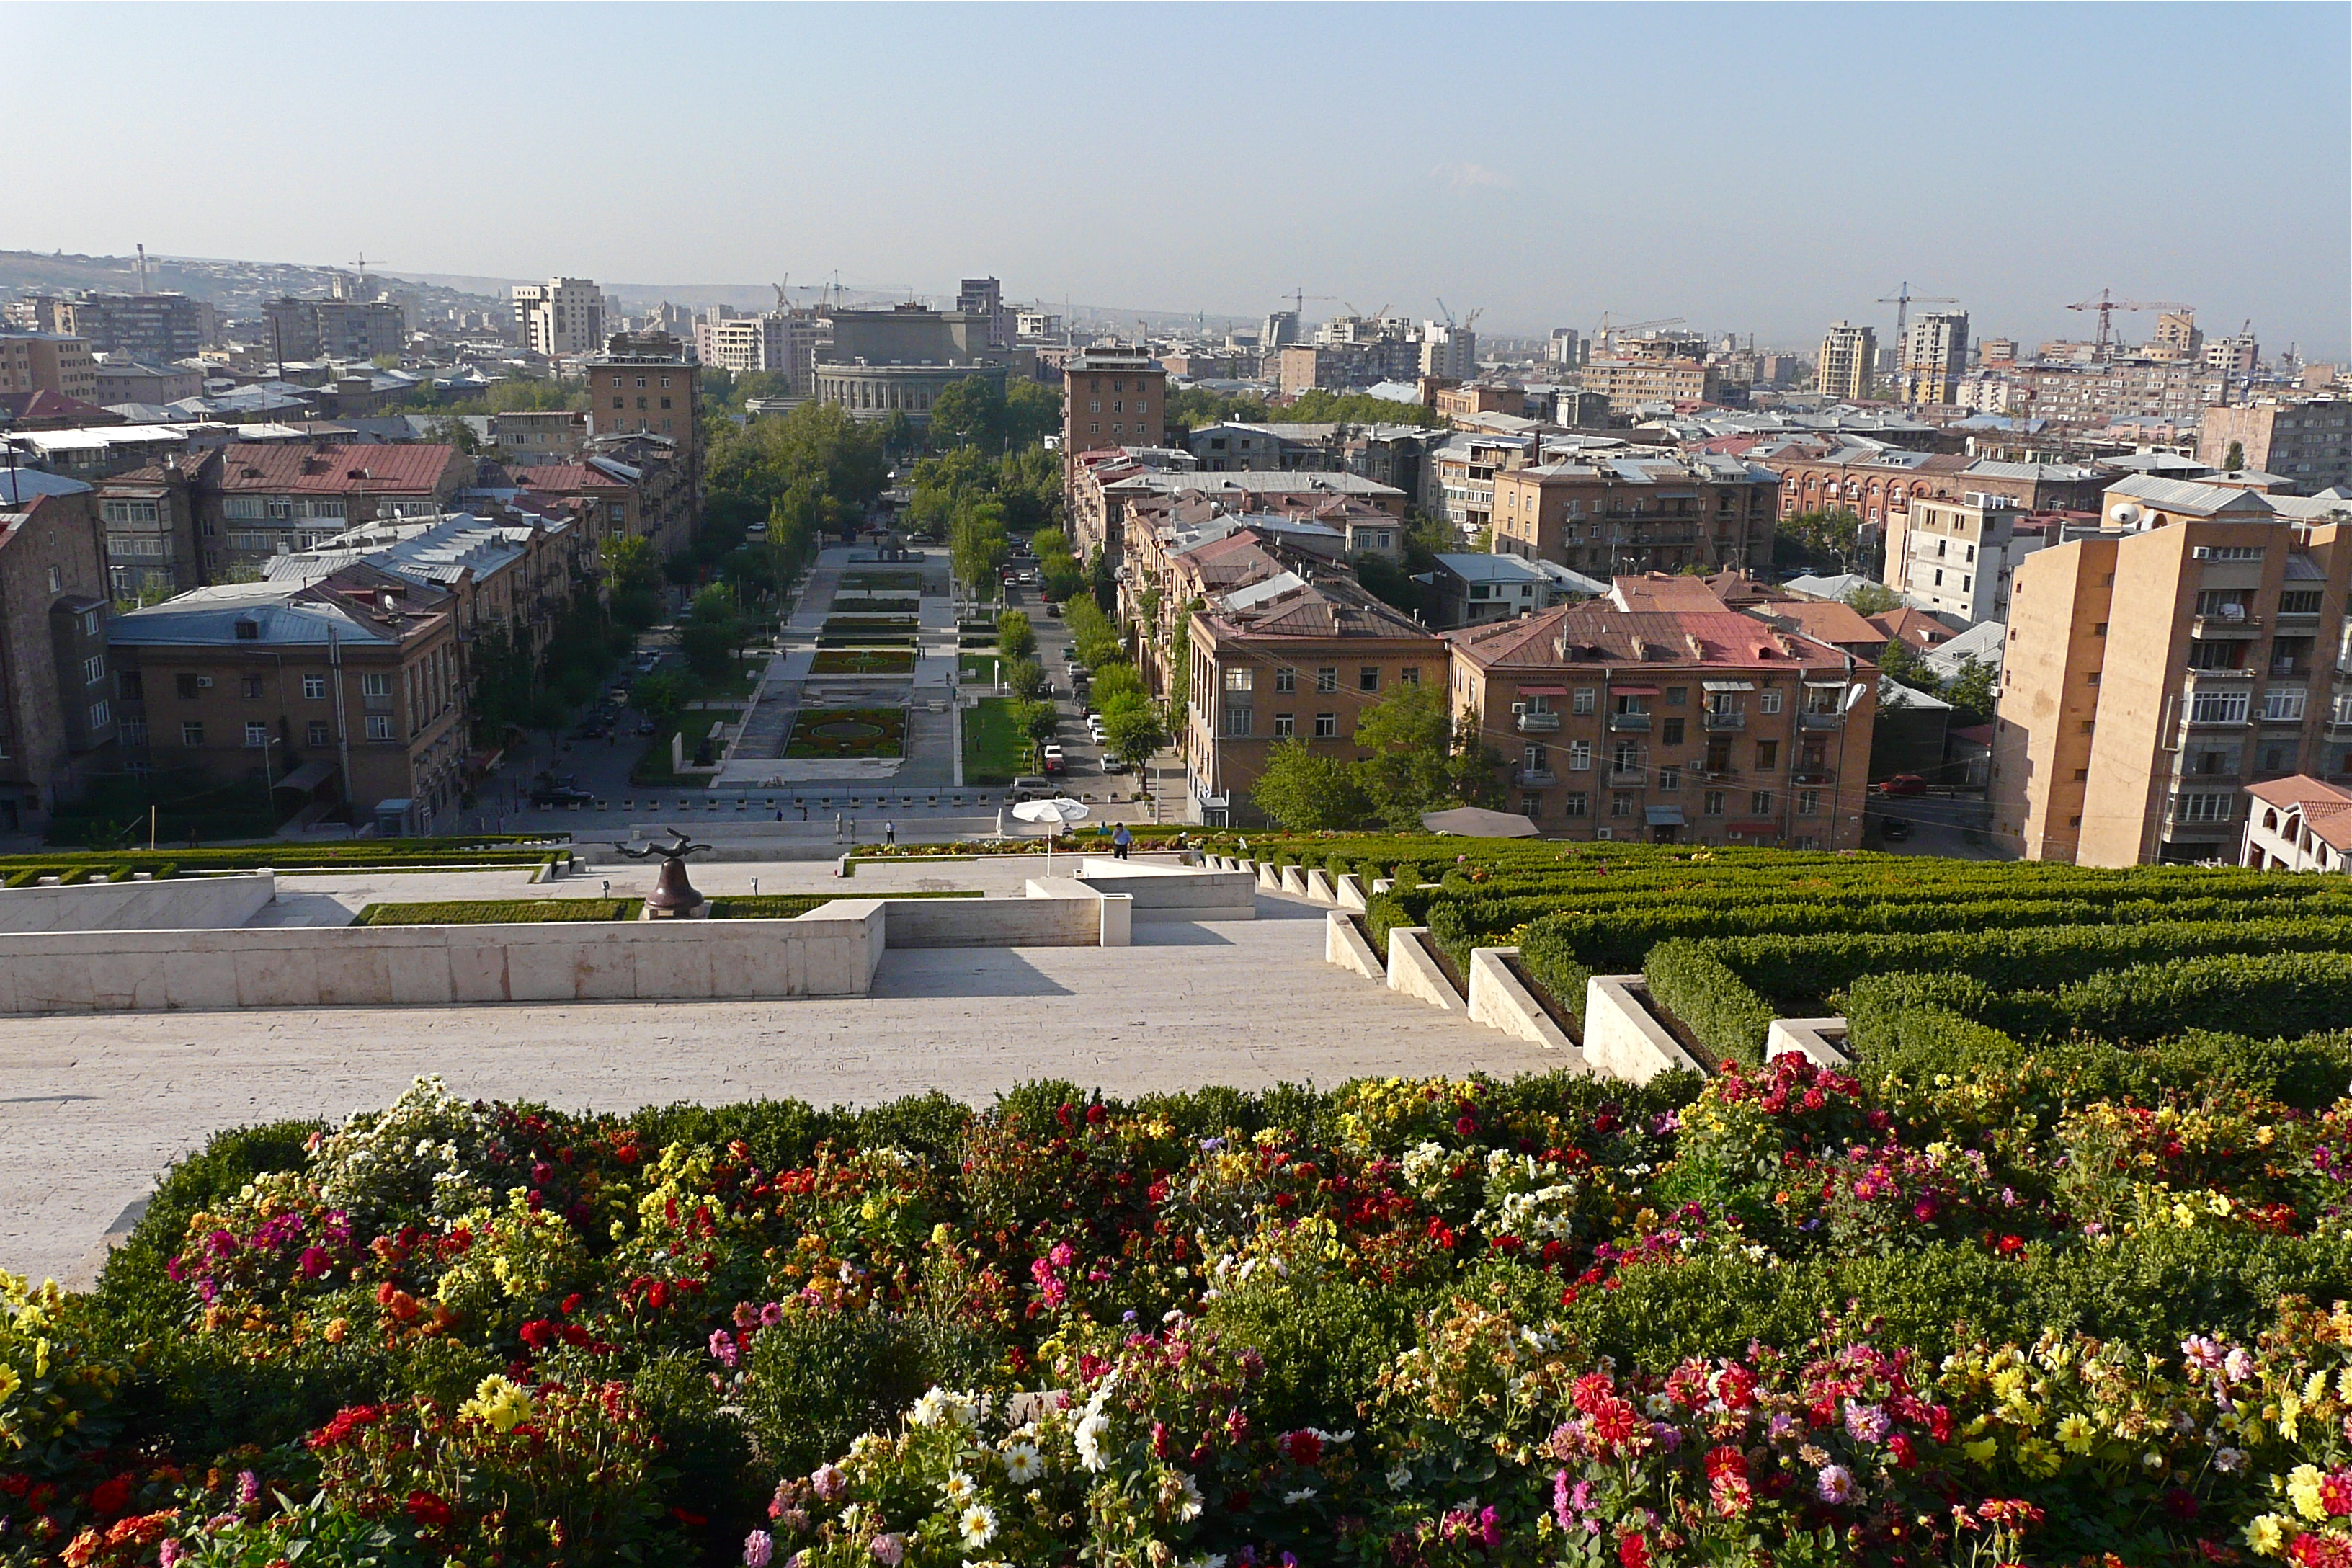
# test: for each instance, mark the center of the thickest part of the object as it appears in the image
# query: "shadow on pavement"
(961, 972)
(1178, 933)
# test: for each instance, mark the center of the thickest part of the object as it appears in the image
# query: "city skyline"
(1725, 190)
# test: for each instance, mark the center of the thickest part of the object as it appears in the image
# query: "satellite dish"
(2125, 513)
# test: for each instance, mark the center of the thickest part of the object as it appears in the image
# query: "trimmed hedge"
(499, 912)
(792, 906)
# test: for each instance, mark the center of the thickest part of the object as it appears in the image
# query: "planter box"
(1414, 972)
(1501, 1002)
(1621, 1039)
(1344, 945)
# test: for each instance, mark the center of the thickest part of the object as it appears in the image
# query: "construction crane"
(1298, 297)
(784, 297)
(1602, 333)
(2107, 305)
(1902, 300)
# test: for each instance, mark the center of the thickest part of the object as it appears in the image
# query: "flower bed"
(2023, 1309)
(864, 661)
(368, 854)
(866, 605)
(847, 732)
(499, 912)
(883, 582)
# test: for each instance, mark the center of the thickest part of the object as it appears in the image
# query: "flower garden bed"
(2041, 1312)
(875, 604)
(499, 912)
(365, 854)
(840, 625)
(847, 732)
(883, 582)
(864, 661)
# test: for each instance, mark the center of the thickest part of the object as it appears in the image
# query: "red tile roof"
(1601, 633)
(2328, 809)
(566, 477)
(300, 467)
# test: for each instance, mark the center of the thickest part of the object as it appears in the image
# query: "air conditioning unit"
(2202, 553)
(204, 680)
(1605, 832)
(1519, 707)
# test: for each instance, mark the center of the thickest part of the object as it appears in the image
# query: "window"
(376, 684)
(1677, 695)
(1327, 679)
(2215, 655)
(1710, 803)
(2302, 602)
(99, 716)
(315, 733)
(57, 581)
(314, 687)
(256, 732)
(1588, 699)
(1572, 803)
(2283, 706)
(1410, 674)
(1670, 778)
(2218, 708)
(1530, 806)
(1285, 681)
(1761, 802)
(128, 684)
(1670, 731)
(379, 726)
(1768, 701)
(1367, 679)
(187, 685)
(1327, 726)
(1808, 803)
(2205, 806)
(192, 734)
(2232, 553)
(1285, 726)
(93, 669)
(1579, 756)
(1239, 679)
(1237, 718)
(1767, 755)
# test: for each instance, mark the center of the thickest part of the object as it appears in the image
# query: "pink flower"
(828, 1482)
(1835, 1484)
(758, 1550)
(771, 1314)
(315, 1262)
(889, 1550)
(249, 1489)
(1062, 1255)
(722, 1347)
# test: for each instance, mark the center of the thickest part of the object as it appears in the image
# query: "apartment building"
(2297, 824)
(158, 327)
(56, 710)
(1935, 356)
(1101, 491)
(1848, 361)
(1955, 557)
(346, 689)
(1612, 514)
(122, 381)
(1470, 590)
(1630, 384)
(48, 362)
(641, 385)
(2154, 669)
(332, 328)
(1290, 657)
(780, 342)
(526, 437)
(256, 499)
(560, 317)
(149, 517)
(1687, 725)
(2306, 441)
(1112, 396)
(1876, 482)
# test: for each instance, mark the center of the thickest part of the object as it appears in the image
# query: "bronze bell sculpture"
(673, 897)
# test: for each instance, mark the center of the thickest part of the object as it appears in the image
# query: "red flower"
(1303, 1447)
(111, 1497)
(1613, 1423)
(429, 1512)
(2335, 1493)
(1634, 1551)
(1725, 1461)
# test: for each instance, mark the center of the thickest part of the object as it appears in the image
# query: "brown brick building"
(57, 709)
(1619, 513)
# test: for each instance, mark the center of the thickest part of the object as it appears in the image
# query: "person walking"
(1121, 842)
(890, 832)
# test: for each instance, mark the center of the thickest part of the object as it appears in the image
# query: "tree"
(1133, 727)
(658, 697)
(1015, 638)
(1093, 635)
(2236, 459)
(1973, 692)
(1032, 413)
(1417, 762)
(633, 579)
(1308, 791)
(1025, 678)
(969, 414)
(1115, 680)
(977, 544)
(1874, 599)
(1904, 663)
(715, 628)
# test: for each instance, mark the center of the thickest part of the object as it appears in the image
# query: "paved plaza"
(96, 1108)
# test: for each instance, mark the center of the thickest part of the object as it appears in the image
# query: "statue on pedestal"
(673, 897)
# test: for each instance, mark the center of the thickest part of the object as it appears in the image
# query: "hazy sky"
(1756, 168)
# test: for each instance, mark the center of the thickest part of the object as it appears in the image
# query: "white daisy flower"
(977, 1524)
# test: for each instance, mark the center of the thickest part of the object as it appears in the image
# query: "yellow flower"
(2267, 1534)
(9, 1383)
(2036, 1457)
(2008, 1382)
(498, 1401)
(1980, 1451)
(2077, 1434)
(2315, 1388)
(2302, 1491)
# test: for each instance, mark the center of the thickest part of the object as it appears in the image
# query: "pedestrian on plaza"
(890, 832)
(1121, 842)
(836, 828)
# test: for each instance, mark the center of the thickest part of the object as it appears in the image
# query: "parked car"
(1113, 763)
(1052, 761)
(644, 726)
(1029, 786)
(1903, 783)
(552, 795)
(1894, 830)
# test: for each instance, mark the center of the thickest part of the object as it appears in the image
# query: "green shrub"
(500, 912)
(817, 1380)
(1695, 987)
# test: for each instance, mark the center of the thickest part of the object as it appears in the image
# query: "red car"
(1903, 783)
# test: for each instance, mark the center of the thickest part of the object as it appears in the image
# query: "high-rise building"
(2236, 356)
(2176, 337)
(1849, 357)
(1112, 396)
(2306, 441)
(560, 316)
(1281, 331)
(2155, 668)
(158, 328)
(333, 328)
(48, 362)
(985, 297)
(1563, 347)
(1935, 353)
(1448, 351)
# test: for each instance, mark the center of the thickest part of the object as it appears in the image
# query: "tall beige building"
(2194, 645)
(48, 362)
(560, 316)
(1848, 354)
(1935, 355)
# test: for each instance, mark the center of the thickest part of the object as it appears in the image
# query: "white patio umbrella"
(1056, 811)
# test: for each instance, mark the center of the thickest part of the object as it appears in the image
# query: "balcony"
(2295, 672)
(1534, 723)
(1813, 775)
(1811, 721)
(1537, 778)
(1725, 719)
(2209, 677)
(1622, 777)
(1629, 724)
(2245, 626)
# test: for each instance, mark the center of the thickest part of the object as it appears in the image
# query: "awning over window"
(1663, 816)
(1634, 691)
(1729, 685)
(1543, 690)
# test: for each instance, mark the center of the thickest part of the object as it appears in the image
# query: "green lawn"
(499, 912)
(864, 661)
(979, 667)
(847, 732)
(993, 749)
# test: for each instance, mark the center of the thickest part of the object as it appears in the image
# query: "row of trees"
(1195, 407)
(976, 412)
(1415, 759)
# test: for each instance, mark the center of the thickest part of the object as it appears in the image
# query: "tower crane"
(1298, 297)
(1601, 333)
(1902, 300)
(2107, 305)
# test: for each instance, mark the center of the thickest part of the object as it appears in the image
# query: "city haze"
(1754, 169)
